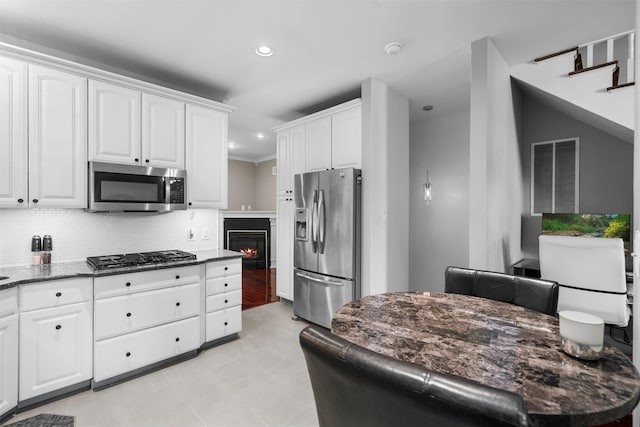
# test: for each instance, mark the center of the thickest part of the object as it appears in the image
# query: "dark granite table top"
(497, 344)
(64, 270)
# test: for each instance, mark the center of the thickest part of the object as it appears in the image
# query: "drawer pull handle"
(20, 200)
(128, 353)
(177, 304)
(177, 339)
(226, 284)
(58, 294)
(128, 284)
(177, 276)
(58, 327)
(128, 314)
(226, 268)
(226, 323)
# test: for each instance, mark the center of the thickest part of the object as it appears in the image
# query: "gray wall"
(440, 231)
(606, 165)
(252, 184)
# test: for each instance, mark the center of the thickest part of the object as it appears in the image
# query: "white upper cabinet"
(346, 138)
(162, 132)
(291, 149)
(114, 123)
(57, 139)
(319, 144)
(13, 134)
(206, 147)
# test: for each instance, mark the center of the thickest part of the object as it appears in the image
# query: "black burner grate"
(135, 259)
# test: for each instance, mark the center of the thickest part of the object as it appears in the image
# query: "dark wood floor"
(258, 287)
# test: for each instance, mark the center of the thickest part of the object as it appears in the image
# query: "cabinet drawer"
(125, 353)
(55, 293)
(128, 313)
(223, 322)
(219, 285)
(8, 301)
(123, 284)
(223, 301)
(224, 268)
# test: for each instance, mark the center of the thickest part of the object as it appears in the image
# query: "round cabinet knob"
(58, 327)
(128, 354)
(226, 323)
(226, 268)
(127, 284)
(177, 339)
(20, 200)
(58, 294)
(35, 200)
(177, 304)
(189, 203)
(177, 277)
(136, 160)
(226, 301)
(146, 160)
(128, 314)
(226, 284)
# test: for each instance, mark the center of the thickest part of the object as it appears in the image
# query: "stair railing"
(628, 36)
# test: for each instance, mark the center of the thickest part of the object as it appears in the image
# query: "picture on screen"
(588, 225)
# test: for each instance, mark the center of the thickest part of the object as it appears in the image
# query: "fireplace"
(252, 237)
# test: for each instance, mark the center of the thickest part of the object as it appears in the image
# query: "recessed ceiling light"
(260, 135)
(264, 51)
(393, 48)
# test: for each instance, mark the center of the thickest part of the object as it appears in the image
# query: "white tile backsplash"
(78, 234)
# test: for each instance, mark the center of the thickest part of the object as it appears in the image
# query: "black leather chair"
(536, 294)
(354, 386)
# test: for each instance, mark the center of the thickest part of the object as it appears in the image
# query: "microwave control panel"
(176, 190)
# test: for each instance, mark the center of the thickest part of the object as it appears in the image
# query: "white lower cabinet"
(224, 298)
(55, 337)
(8, 350)
(144, 318)
(128, 352)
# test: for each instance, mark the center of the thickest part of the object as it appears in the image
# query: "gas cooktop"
(138, 259)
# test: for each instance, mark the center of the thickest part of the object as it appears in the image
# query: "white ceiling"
(324, 48)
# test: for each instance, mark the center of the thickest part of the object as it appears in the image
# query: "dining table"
(497, 344)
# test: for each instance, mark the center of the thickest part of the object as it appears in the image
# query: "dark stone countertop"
(496, 344)
(64, 270)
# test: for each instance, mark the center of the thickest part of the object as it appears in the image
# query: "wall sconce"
(427, 190)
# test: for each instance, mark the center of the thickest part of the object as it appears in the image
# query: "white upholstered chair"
(591, 275)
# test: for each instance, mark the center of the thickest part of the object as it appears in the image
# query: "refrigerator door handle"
(318, 280)
(321, 222)
(314, 222)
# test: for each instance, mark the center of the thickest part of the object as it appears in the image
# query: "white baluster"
(630, 57)
(589, 55)
(609, 50)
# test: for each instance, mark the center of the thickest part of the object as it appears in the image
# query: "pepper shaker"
(47, 247)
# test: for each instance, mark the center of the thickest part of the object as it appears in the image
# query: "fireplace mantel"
(248, 214)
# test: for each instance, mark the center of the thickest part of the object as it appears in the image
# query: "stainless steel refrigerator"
(326, 256)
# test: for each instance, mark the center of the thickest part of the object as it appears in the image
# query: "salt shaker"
(36, 248)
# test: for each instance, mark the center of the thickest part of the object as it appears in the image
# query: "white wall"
(439, 231)
(385, 187)
(495, 172)
(77, 234)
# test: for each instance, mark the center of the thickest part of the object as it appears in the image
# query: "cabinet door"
(298, 153)
(206, 157)
(284, 271)
(318, 148)
(55, 348)
(346, 139)
(283, 178)
(57, 139)
(224, 322)
(114, 123)
(162, 132)
(13, 134)
(8, 362)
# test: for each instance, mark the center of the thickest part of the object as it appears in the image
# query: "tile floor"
(258, 380)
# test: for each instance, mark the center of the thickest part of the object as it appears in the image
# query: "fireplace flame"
(249, 252)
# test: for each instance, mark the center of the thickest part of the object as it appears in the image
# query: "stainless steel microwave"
(130, 188)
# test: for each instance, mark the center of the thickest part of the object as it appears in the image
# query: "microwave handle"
(167, 190)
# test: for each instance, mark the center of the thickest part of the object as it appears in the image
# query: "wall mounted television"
(590, 225)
